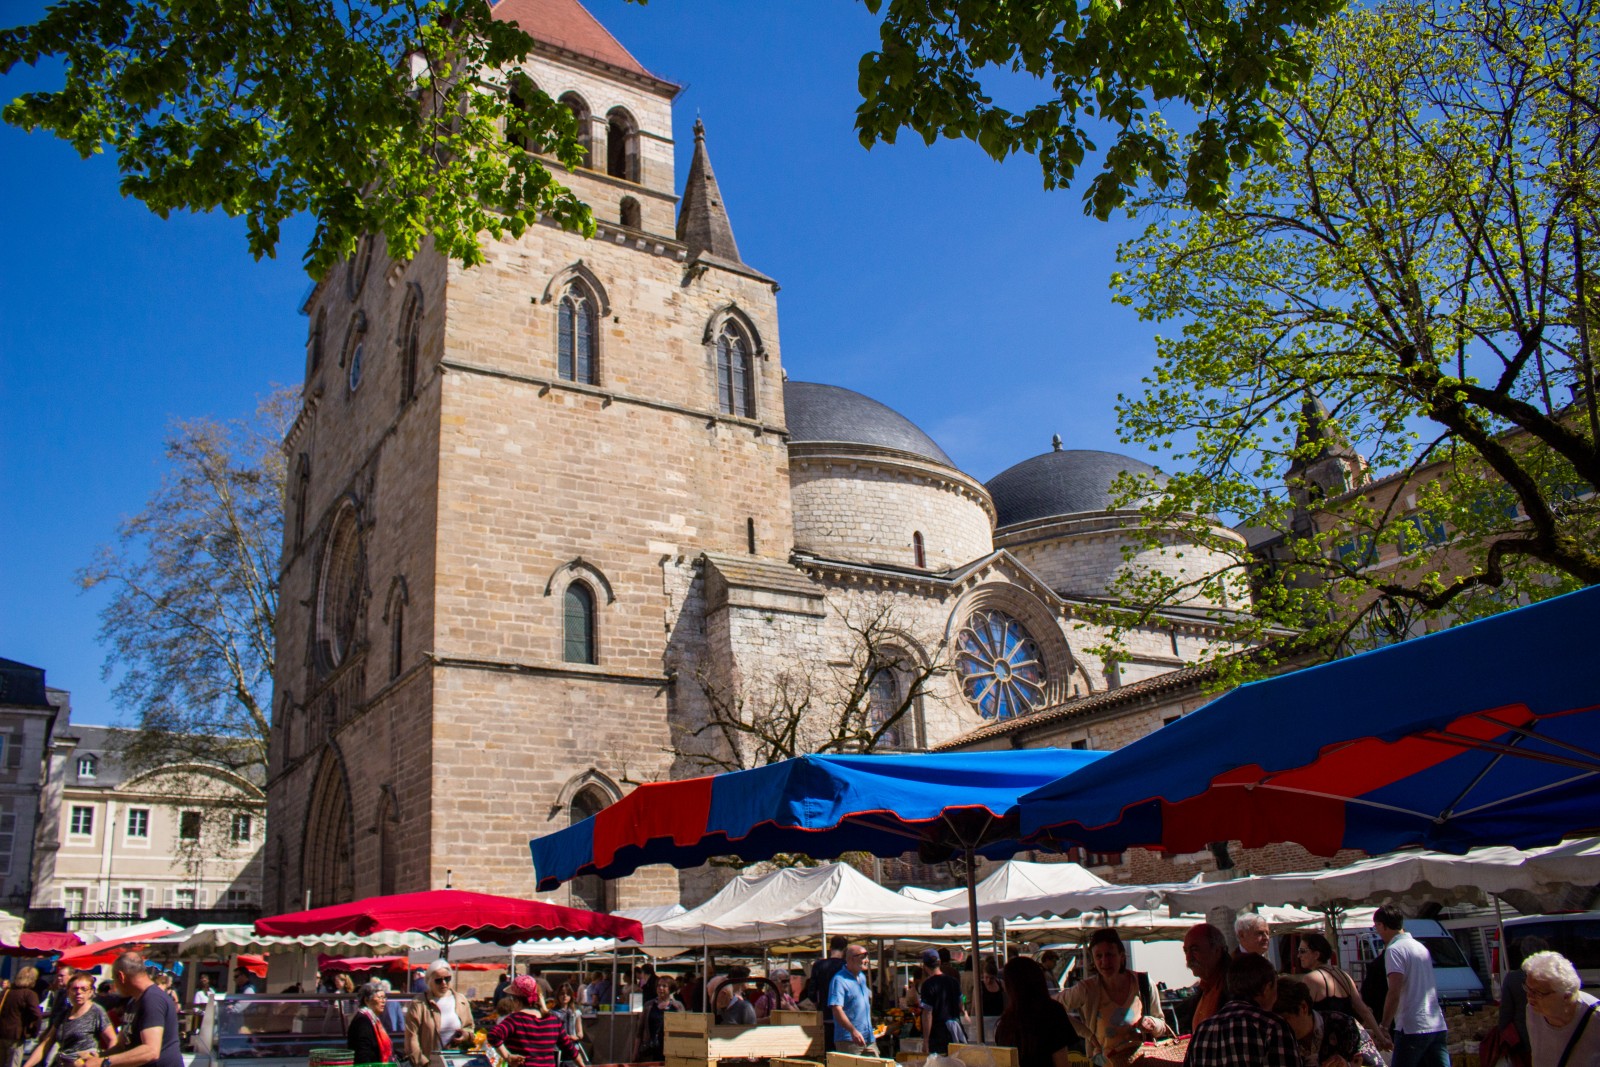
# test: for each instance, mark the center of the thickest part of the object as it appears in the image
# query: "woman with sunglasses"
(83, 1029)
(438, 1018)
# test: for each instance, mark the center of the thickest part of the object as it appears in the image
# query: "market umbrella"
(942, 805)
(40, 943)
(448, 915)
(1483, 734)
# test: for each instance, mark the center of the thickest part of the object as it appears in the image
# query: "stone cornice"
(610, 396)
(830, 454)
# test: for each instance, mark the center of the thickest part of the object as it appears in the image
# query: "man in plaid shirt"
(1244, 1032)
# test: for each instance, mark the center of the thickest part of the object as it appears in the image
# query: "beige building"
(113, 845)
(549, 514)
(29, 710)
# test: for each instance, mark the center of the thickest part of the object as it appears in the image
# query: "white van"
(1576, 936)
(1453, 975)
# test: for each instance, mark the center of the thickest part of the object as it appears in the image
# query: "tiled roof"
(1187, 678)
(567, 24)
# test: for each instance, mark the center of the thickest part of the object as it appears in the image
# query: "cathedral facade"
(552, 516)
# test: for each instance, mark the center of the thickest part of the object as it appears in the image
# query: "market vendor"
(437, 1018)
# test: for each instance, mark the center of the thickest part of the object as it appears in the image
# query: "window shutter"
(13, 751)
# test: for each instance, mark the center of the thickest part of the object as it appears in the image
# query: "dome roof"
(827, 413)
(1062, 482)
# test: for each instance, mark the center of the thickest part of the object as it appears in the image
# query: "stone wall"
(851, 505)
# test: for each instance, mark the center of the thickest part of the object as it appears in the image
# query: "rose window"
(999, 665)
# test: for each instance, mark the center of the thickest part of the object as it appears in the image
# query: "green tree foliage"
(1419, 258)
(194, 596)
(945, 65)
(384, 116)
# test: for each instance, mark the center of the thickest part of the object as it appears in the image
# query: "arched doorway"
(330, 838)
(590, 890)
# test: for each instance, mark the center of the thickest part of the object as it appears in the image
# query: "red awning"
(451, 914)
(41, 944)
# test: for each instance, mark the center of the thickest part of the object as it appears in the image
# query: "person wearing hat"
(530, 1036)
(437, 1018)
(941, 1005)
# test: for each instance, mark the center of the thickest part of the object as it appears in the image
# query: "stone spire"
(702, 219)
(1325, 463)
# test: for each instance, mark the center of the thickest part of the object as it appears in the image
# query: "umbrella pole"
(972, 919)
(1505, 949)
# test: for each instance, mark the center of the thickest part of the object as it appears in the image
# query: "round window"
(1001, 671)
(339, 590)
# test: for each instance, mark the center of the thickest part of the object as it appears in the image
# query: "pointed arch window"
(735, 381)
(410, 343)
(578, 326)
(883, 701)
(580, 115)
(590, 890)
(919, 550)
(578, 624)
(302, 497)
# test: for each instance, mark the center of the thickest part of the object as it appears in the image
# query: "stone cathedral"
(541, 512)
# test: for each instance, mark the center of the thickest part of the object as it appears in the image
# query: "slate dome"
(1062, 482)
(828, 413)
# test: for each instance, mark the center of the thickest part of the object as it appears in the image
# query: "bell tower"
(503, 481)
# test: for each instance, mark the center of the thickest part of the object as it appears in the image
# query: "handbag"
(1502, 1047)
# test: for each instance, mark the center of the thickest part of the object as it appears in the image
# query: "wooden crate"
(984, 1055)
(795, 1018)
(696, 1038)
(840, 1059)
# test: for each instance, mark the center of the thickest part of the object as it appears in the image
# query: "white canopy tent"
(1062, 903)
(555, 948)
(796, 902)
(1400, 877)
(1575, 862)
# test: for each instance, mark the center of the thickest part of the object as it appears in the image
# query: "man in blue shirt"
(851, 1000)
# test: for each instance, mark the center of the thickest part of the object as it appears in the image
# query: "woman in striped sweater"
(530, 1036)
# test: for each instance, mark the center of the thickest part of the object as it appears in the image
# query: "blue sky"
(951, 288)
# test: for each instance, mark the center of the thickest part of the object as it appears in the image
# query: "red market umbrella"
(335, 964)
(448, 915)
(256, 965)
(40, 944)
(102, 951)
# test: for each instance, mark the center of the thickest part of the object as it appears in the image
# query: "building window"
(183, 898)
(302, 495)
(188, 826)
(356, 275)
(82, 821)
(239, 832)
(630, 214)
(750, 535)
(518, 113)
(74, 900)
(139, 822)
(589, 890)
(410, 343)
(357, 356)
(1001, 670)
(577, 335)
(236, 898)
(339, 591)
(579, 624)
(132, 901)
(735, 384)
(622, 145)
(919, 553)
(883, 701)
(318, 333)
(580, 116)
(1079, 745)
(87, 766)
(397, 629)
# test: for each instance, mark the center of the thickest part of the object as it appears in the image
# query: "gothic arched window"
(590, 890)
(578, 327)
(883, 701)
(580, 115)
(736, 393)
(622, 145)
(410, 344)
(919, 552)
(578, 624)
(339, 590)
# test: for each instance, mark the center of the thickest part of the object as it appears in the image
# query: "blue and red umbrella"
(1483, 734)
(821, 806)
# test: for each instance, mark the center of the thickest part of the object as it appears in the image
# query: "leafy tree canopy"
(1411, 280)
(375, 116)
(400, 117)
(1081, 63)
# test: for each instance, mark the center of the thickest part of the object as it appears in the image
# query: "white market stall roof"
(214, 939)
(554, 948)
(796, 902)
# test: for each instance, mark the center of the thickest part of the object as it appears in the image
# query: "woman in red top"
(530, 1036)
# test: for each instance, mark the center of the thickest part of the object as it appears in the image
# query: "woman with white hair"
(1562, 1030)
(437, 1018)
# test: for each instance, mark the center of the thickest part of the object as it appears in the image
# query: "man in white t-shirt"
(1411, 1009)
